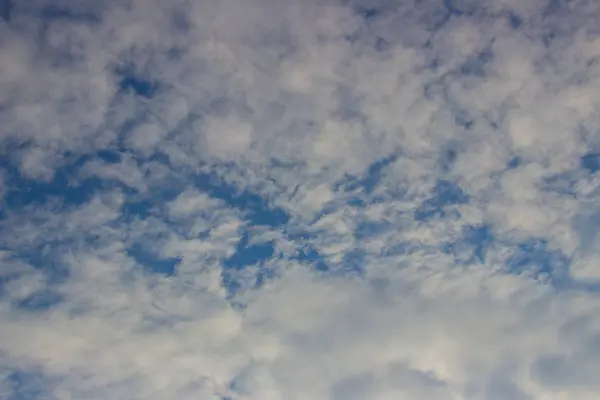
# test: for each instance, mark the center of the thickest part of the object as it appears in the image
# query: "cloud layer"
(323, 200)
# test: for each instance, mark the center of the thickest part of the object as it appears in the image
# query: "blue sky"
(338, 200)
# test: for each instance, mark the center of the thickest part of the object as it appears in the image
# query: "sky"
(301, 200)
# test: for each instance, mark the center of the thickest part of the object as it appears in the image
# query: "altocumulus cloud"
(268, 200)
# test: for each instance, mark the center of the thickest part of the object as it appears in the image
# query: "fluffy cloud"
(259, 200)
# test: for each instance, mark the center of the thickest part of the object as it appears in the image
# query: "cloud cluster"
(326, 200)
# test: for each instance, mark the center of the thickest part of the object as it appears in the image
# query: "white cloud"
(225, 137)
(294, 104)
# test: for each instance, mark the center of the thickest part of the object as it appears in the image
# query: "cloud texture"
(267, 200)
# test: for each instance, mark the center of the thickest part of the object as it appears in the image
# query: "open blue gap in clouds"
(362, 187)
(64, 187)
(152, 262)
(255, 255)
(23, 191)
(253, 207)
(42, 259)
(260, 214)
(472, 245)
(66, 191)
(68, 12)
(475, 65)
(139, 86)
(256, 209)
(40, 301)
(247, 254)
(444, 194)
(590, 162)
(6, 7)
(534, 258)
(63, 191)
(26, 384)
(310, 256)
(257, 212)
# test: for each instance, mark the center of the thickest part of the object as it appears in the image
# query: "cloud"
(260, 200)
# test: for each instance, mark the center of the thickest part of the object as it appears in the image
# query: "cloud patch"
(259, 200)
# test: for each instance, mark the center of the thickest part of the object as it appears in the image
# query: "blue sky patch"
(514, 20)
(6, 8)
(369, 181)
(137, 209)
(460, 7)
(312, 258)
(513, 162)
(58, 14)
(563, 184)
(249, 254)
(369, 12)
(472, 245)
(151, 262)
(534, 258)
(27, 385)
(447, 158)
(445, 193)
(370, 228)
(65, 187)
(475, 65)
(40, 301)
(139, 86)
(352, 263)
(591, 162)
(257, 210)
(43, 258)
